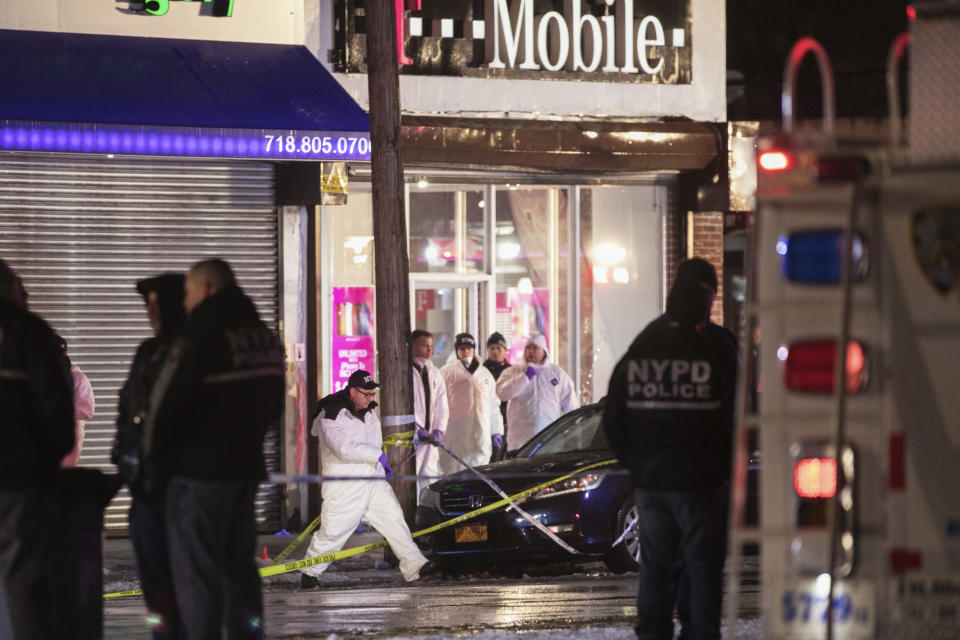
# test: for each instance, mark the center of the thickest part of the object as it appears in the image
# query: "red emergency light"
(775, 160)
(809, 365)
(815, 477)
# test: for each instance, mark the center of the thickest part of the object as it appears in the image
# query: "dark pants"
(28, 520)
(212, 539)
(149, 538)
(688, 526)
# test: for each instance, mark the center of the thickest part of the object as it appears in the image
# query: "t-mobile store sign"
(599, 40)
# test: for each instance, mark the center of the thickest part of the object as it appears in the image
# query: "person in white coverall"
(537, 393)
(475, 425)
(351, 445)
(430, 409)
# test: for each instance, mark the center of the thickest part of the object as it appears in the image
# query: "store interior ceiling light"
(525, 285)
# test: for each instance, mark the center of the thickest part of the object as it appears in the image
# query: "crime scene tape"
(405, 439)
(296, 565)
(296, 541)
(513, 505)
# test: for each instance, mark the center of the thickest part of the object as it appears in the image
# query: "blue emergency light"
(815, 256)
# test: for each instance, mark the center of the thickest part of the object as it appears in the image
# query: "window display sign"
(353, 330)
(529, 314)
(639, 41)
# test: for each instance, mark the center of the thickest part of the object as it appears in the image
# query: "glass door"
(448, 304)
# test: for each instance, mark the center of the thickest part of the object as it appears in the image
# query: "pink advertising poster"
(353, 331)
(529, 314)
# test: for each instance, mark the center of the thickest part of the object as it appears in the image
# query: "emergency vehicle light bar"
(809, 366)
(815, 256)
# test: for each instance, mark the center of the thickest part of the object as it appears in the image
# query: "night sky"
(855, 33)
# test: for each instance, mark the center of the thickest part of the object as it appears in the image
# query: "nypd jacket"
(669, 410)
(221, 387)
(36, 399)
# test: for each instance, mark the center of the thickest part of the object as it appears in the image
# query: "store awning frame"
(161, 96)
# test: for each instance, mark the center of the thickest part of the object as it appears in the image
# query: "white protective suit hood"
(534, 403)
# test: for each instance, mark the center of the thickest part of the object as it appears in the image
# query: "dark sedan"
(589, 511)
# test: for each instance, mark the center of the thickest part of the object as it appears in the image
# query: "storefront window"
(527, 225)
(621, 267)
(349, 306)
(589, 299)
(446, 228)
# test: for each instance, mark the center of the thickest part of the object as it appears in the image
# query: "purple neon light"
(182, 142)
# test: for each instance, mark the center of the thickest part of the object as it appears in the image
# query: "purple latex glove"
(437, 435)
(386, 465)
(530, 372)
(497, 441)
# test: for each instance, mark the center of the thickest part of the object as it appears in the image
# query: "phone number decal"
(347, 147)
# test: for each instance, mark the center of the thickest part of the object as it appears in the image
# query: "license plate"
(470, 533)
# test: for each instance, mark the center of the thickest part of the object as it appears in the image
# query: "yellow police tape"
(288, 567)
(404, 439)
(296, 541)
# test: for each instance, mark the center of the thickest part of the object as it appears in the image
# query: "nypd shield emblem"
(936, 245)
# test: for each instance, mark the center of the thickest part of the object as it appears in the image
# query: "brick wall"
(708, 244)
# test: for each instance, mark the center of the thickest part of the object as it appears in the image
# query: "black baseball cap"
(361, 379)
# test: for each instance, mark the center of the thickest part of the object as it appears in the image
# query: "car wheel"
(626, 555)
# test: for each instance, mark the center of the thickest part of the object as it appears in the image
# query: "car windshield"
(576, 431)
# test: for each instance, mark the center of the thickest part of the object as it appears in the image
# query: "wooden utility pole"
(390, 242)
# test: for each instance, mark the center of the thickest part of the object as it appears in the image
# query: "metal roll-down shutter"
(81, 231)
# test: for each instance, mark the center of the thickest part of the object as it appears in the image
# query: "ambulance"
(853, 312)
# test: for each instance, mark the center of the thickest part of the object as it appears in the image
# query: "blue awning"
(161, 96)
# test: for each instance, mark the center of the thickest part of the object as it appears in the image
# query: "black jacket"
(220, 389)
(132, 410)
(36, 399)
(496, 368)
(669, 411)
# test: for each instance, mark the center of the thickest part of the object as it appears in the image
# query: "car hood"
(505, 473)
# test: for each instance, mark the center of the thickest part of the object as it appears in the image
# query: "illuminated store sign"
(215, 8)
(253, 144)
(641, 41)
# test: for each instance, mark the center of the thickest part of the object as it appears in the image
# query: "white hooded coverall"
(352, 447)
(474, 415)
(428, 455)
(533, 404)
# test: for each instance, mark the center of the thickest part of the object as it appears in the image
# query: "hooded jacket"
(474, 414)
(220, 389)
(669, 410)
(36, 399)
(533, 404)
(350, 441)
(134, 399)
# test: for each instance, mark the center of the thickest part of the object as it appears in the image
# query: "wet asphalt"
(357, 599)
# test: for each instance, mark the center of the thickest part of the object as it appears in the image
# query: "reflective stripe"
(12, 374)
(243, 374)
(665, 404)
